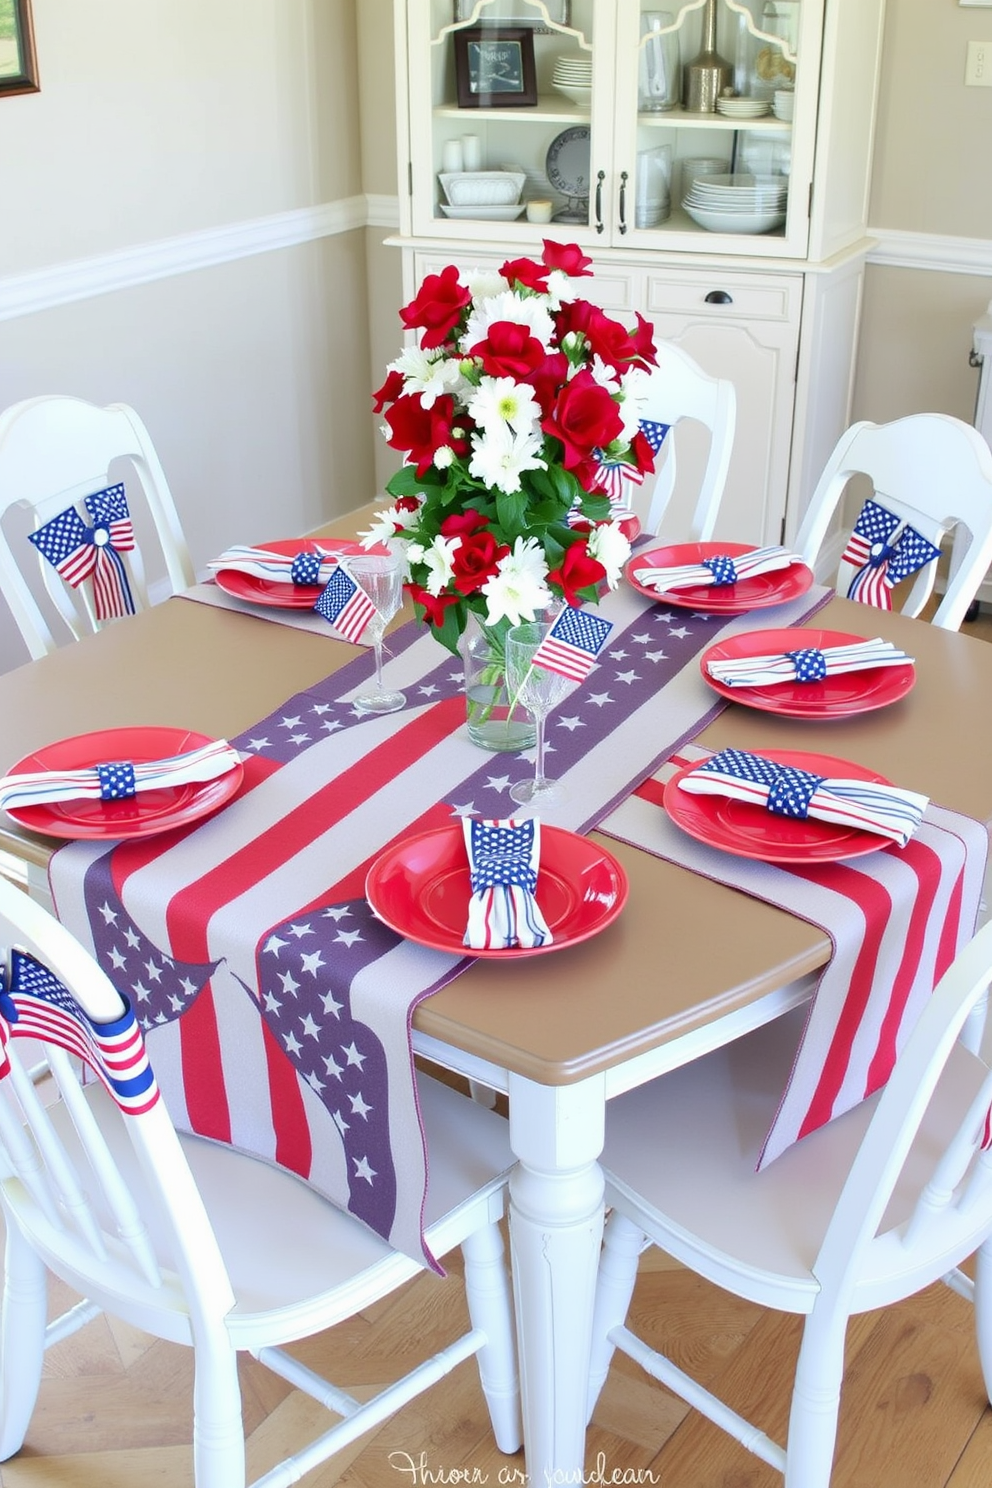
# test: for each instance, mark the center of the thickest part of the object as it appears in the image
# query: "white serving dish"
(482, 188)
(576, 95)
(484, 214)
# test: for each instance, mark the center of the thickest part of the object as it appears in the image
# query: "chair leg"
(490, 1307)
(623, 1242)
(816, 1402)
(22, 1339)
(983, 1311)
(218, 1432)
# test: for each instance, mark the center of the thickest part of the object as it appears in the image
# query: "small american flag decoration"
(79, 552)
(573, 643)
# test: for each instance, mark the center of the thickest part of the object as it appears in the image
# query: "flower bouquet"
(519, 416)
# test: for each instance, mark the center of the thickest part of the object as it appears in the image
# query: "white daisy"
(438, 559)
(385, 523)
(482, 284)
(499, 400)
(608, 545)
(429, 373)
(499, 457)
(518, 588)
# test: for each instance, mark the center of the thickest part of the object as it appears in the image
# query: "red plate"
(720, 599)
(750, 831)
(285, 596)
(835, 697)
(420, 888)
(140, 815)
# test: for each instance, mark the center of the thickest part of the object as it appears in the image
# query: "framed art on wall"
(494, 67)
(18, 68)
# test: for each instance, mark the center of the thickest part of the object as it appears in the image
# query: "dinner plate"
(286, 596)
(720, 599)
(567, 162)
(139, 815)
(839, 696)
(484, 214)
(750, 831)
(420, 887)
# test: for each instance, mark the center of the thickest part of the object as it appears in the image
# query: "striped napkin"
(117, 780)
(785, 790)
(281, 568)
(806, 664)
(719, 570)
(503, 857)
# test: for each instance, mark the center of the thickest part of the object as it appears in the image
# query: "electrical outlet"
(978, 68)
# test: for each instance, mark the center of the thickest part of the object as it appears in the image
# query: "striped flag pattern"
(614, 475)
(40, 1006)
(345, 605)
(79, 552)
(276, 1007)
(883, 549)
(572, 644)
(896, 918)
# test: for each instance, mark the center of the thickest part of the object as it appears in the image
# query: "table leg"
(556, 1228)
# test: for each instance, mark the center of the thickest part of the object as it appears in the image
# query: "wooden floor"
(114, 1409)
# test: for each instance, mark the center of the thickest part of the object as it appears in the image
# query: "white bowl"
(577, 95)
(734, 222)
(482, 188)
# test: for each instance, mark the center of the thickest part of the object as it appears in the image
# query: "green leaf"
(511, 512)
(449, 634)
(406, 482)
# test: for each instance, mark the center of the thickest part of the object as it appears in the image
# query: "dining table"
(689, 964)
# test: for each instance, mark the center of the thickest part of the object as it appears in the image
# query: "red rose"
(509, 351)
(437, 308)
(422, 431)
(578, 571)
(526, 272)
(434, 605)
(391, 389)
(568, 257)
(547, 379)
(584, 418)
(643, 340)
(642, 453)
(461, 524)
(474, 561)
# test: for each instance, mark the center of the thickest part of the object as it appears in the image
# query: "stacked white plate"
(572, 76)
(785, 102)
(740, 203)
(742, 108)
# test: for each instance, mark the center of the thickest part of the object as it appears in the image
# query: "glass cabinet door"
(715, 122)
(511, 117)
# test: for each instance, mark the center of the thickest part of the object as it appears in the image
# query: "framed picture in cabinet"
(494, 67)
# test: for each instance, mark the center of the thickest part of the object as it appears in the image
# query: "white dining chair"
(869, 1209)
(54, 453)
(933, 472)
(679, 391)
(199, 1244)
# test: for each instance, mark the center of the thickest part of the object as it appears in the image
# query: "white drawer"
(758, 297)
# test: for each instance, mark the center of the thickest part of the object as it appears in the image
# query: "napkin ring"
(117, 780)
(791, 791)
(722, 568)
(306, 568)
(810, 664)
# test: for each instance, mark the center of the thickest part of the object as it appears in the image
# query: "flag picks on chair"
(504, 859)
(573, 643)
(79, 552)
(884, 549)
(40, 1006)
(615, 471)
(345, 605)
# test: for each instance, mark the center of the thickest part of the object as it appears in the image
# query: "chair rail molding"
(946, 255)
(103, 273)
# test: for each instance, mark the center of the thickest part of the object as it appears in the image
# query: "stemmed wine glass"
(380, 576)
(539, 690)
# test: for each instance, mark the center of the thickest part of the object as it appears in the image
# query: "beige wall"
(932, 174)
(172, 117)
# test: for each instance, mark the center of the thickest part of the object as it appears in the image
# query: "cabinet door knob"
(719, 297)
(600, 178)
(623, 201)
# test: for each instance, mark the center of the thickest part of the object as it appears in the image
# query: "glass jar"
(492, 723)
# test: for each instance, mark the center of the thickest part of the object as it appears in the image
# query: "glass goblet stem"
(540, 783)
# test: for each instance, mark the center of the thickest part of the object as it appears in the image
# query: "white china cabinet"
(758, 277)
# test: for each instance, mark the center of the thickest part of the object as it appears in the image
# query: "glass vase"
(492, 724)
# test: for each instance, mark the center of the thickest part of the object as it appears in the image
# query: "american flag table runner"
(896, 918)
(275, 1006)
